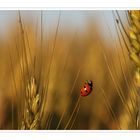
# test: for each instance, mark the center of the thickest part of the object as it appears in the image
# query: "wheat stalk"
(134, 52)
(31, 108)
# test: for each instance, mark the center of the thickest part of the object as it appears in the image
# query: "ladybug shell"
(86, 89)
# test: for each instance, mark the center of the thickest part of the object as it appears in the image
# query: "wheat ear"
(31, 106)
(134, 52)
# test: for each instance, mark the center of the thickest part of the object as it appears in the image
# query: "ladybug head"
(89, 82)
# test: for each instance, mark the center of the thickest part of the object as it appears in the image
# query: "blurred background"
(70, 47)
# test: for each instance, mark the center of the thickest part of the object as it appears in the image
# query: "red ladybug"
(87, 88)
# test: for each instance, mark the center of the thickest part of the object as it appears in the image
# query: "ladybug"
(87, 88)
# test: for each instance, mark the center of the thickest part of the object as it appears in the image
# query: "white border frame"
(69, 4)
(69, 135)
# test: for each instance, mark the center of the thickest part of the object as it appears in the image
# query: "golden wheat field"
(46, 58)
